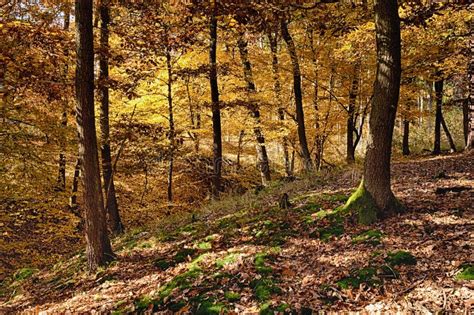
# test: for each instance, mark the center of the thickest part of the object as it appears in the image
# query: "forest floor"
(245, 255)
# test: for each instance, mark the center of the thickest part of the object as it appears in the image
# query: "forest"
(236, 156)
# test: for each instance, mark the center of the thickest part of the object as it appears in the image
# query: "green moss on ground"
(260, 265)
(467, 272)
(357, 277)
(231, 296)
(372, 237)
(24, 273)
(400, 258)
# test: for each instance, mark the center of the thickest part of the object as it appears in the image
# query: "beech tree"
(99, 250)
(111, 205)
(374, 198)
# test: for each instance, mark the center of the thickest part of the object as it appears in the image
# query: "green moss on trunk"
(363, 204)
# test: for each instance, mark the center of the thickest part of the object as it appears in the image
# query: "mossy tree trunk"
(374, 199)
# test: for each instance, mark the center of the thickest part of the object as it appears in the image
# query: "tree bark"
(263, 163)
(470, 136)
(111, 205)
(61, 182)
(239, 147)
(216, 111)
(307, 162)
(99, 250)
(406, 137)
(277, 91)
(438, 116)
(75, 185)
(452, 145)
(171, 132)
(351, 116)
(374, 198)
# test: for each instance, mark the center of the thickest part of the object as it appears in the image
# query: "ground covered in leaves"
(245, 255)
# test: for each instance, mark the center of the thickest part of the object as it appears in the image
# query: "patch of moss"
(181, 281)
(267, 309)
(363, 205)
(372, 237)
(24, 273)
(204, 245)
(176, 306)
(209, 307)
(334, 197)
(162, 264)
(259, 262)
(231, 296)
(400, 258)
(264, 288)
(357, 277)
(467, 272)
(226, 260)
(183, 254)
(325, 234)
(145, 303)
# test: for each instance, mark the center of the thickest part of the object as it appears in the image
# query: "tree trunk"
(61, 182)
(470, 134)
(319, 138)
(111, 206)
(278, 98)
(263, 163)
(406, 136)
(452, 145)
(171, 132)
(438, 116)
(99, 250)
(239, 147)
(216, 111)
(75, 185)
(195, 118)
(308, 163)
(465, 116)
(351, 117)
(374, 197)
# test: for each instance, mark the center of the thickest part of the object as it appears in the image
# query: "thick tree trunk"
(438, 116)
(351, 116)
(374, 198)
(263, 163)
(406, 137)
(61, 182)
(111, 206)
(171, 132)
(278, 98)
(307, 162)
(99, 250)
(216, 111)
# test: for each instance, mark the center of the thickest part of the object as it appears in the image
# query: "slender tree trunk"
(99, 250)
(438, 116)
(470, 136)
(465, 116)
(406, 137)
(216, 111)
(195, 118)
(452, 145)
(318, 139)
(75, 185)
(278, 98)
(308, 163)
(374, 198)
(171, 132)
(239, 147)
(111, 205)
(351, 115)
(263, 163)
(61, 182)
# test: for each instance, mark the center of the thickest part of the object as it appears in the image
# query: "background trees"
(174, 95)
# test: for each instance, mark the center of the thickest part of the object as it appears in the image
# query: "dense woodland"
(207, 156)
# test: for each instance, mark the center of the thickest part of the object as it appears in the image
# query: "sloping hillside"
(246, 255)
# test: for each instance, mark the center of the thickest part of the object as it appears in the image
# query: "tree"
(262, 155)
(99, 250)
(470, 137)
(216, 111)
(374, 197)
(307, 162)
(439, 120)
(111, 206)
